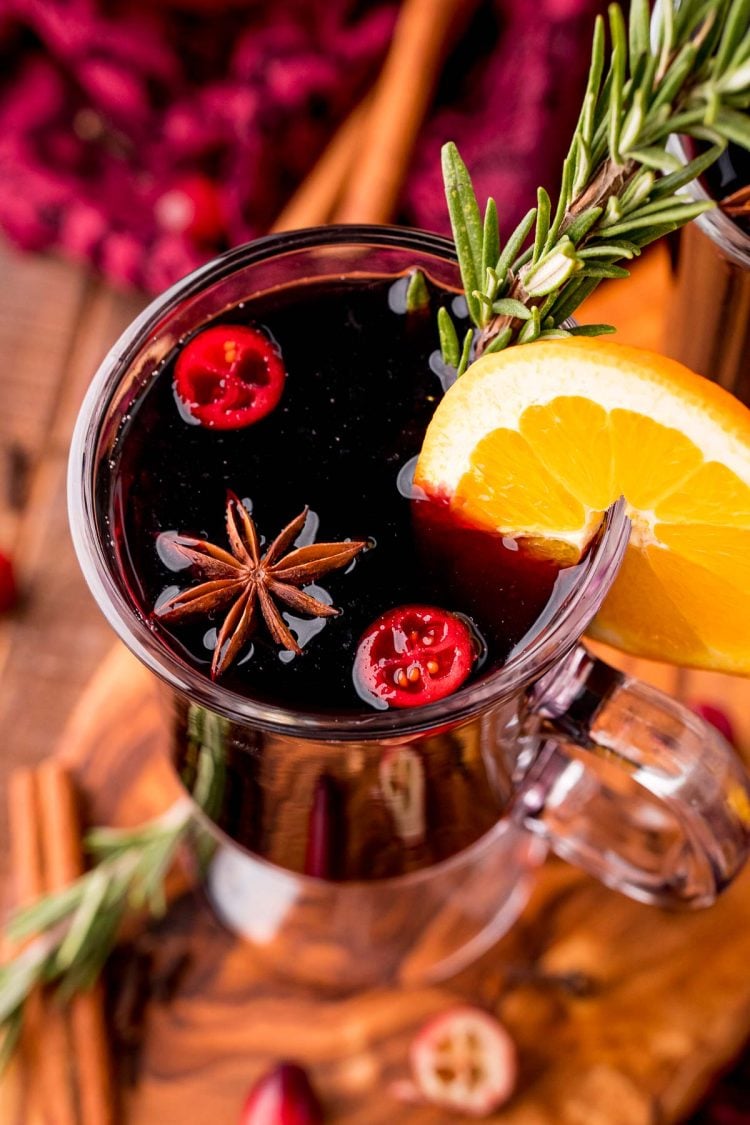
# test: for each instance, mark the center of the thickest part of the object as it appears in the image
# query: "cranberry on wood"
(282, 1096)
(464, 1061)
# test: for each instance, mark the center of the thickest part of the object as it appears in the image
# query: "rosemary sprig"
(620, 186)
(417, 293)
(71, 933)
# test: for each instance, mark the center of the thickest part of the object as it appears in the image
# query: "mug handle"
(631, 786)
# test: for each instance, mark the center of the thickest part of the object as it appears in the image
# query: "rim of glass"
(552, 642)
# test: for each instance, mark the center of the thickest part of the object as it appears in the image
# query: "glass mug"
(708, 326)
(430, 821)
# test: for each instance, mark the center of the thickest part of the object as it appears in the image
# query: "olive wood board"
(622, 1013)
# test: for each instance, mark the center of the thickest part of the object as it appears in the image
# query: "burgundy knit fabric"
(146, 137)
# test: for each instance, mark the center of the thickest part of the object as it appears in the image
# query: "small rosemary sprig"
(70, 934)
(620, 187)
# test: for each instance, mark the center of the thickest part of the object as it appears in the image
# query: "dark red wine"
(363, 377)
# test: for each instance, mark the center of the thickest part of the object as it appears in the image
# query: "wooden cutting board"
(622, 1013)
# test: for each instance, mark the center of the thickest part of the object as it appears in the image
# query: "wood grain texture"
(56, 324)
(44, 1045)
(63, 863)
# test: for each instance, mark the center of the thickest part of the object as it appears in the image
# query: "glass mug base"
(413, 930)
(447, 807)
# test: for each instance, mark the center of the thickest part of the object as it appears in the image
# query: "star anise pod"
(250, 582)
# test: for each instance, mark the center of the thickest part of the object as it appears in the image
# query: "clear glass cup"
(708, 323)
(428, 823)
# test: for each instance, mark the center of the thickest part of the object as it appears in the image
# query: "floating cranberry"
(282, 1096)
(717, 717)
(413, 655)
(229, 376)
(192, 207)
(8, 588)
(464, 1061)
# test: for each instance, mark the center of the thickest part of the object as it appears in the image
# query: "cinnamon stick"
(23, 823)
(11, 1095)
(738, 203)
(47, 1094)
(63, 862)
(314, 201)
(25, 869)
(11, 1090)
(402, 96)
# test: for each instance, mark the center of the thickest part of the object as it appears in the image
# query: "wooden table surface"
(56, 323)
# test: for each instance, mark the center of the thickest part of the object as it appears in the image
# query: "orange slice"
(536, 441)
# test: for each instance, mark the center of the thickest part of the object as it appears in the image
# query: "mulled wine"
(258, 507)
(310, 402)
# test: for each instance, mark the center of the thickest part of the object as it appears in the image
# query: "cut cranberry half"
(465, 1061)
(229, 376)
(413, 655)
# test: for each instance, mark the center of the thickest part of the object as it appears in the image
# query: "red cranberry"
(8, 588)
(717, 717)
(282, 1096)
(229, 376)
(192, 207)
(413, 655)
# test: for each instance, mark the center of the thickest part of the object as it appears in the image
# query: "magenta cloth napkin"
(144, 137)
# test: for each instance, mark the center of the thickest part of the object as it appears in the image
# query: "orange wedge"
(536, 441)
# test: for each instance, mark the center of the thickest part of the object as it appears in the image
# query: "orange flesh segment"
(655, 601)
(712, 493)
(493, 490)
(683, 593)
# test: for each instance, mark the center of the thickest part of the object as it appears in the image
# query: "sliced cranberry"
(718, 718)
(229, 376)
(465, 1061)
(413, 655)
(8, 588)
(282, 1096)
